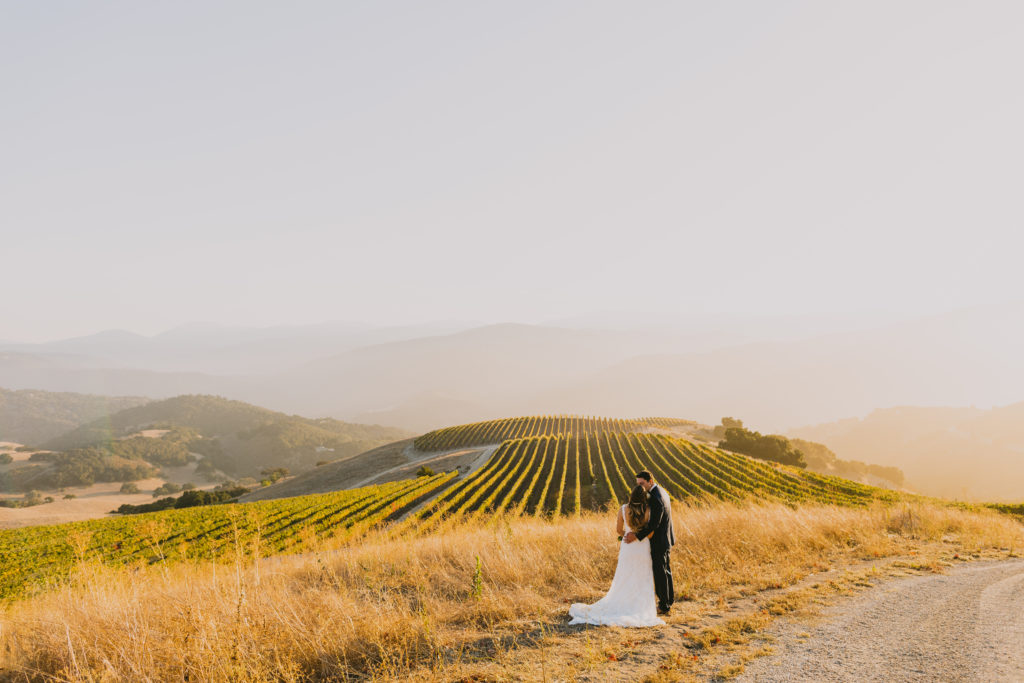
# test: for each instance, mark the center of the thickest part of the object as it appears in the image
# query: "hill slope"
(238, 438)
(562, 474)
(963, 453)
(41, 554)
(33, 416)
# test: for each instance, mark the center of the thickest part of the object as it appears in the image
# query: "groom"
(659, 528)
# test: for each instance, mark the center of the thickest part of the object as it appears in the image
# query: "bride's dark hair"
(636, 508)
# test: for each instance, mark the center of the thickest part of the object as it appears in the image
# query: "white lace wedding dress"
(631, 600)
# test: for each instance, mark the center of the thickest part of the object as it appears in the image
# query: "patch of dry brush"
(424, 607)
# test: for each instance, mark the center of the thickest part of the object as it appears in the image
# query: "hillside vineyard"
(496, 431)
(42, 555)
(564, 474)
(549, 466)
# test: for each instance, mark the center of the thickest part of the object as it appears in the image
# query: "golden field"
(483, 601)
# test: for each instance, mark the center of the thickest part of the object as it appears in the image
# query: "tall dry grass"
(389, 608)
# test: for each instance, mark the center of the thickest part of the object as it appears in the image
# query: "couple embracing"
(642, 586)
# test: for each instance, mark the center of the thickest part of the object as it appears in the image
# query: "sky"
(265, 163)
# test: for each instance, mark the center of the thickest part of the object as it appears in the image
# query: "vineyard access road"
(967, 625)
(418, 457)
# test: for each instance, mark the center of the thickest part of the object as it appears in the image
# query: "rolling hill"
(34, 416)
(238, 438)
(565, 465)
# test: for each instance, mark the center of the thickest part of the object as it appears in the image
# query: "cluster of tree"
(272, 475)
(86, 466)
(169, 487)
(22, 478)
(6, 459)
(30, 499)
(772, 447)
(190, 498)
(169, 449)
(813, 456)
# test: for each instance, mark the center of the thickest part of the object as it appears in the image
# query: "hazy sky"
(263, 163)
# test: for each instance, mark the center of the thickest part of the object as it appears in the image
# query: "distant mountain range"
(774, 373)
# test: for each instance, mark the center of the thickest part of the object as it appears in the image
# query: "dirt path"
(417, 458)
(967, 625)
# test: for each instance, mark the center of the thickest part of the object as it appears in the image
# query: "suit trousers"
(662, 577)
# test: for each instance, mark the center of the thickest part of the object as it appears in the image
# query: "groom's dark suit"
(659, 528)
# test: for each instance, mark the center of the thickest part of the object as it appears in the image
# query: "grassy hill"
(33, 416)
(238, 438)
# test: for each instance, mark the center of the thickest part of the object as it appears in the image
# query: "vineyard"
(42, 555)
(542, 466)
(497, 431)
(564, 474)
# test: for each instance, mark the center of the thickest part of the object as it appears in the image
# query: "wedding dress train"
(631, 600)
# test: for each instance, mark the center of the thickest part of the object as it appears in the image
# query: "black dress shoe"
(664, 611)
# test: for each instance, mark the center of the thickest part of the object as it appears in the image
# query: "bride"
(631, 600)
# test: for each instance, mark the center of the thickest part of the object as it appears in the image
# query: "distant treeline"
(187, 499)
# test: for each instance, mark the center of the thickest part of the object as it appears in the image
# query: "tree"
(274, 474)
(424, 471)
(165, 488)
(731, 422)
(129, 487)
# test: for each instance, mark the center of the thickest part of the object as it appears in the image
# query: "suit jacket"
(659, 526)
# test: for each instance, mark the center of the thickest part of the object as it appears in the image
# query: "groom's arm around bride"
(657, 506)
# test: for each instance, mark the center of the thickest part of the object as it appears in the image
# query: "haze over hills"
(33, 416)
(223, 349)
(819, 371)
(963, 453)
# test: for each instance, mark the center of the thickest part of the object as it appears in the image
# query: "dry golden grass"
(421, 608)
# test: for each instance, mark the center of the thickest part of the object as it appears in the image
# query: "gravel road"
(967, 625)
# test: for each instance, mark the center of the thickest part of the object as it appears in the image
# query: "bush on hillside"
(6, 459)
(129, 487)
(274, 474)
(165, 488)
(424, 471)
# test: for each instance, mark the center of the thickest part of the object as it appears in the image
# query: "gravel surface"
(967, 625)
